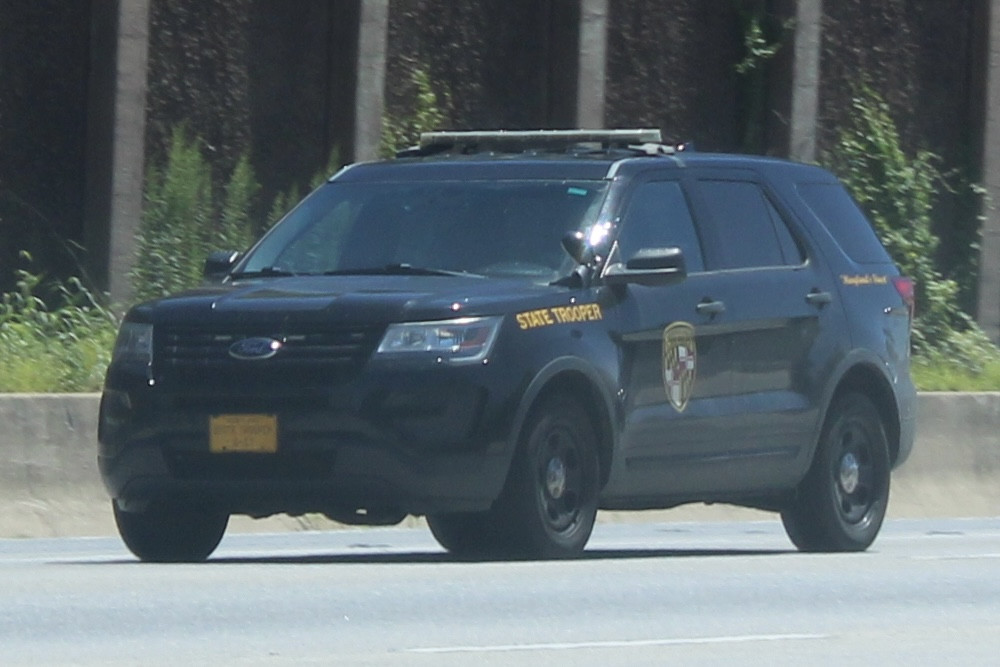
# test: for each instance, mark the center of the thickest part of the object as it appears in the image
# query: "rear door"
(781, 309)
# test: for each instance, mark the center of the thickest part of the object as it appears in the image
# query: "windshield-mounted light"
(462, 341)
(598, 234)
(134, 344)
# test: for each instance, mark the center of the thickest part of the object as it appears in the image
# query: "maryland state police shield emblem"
(680, 360)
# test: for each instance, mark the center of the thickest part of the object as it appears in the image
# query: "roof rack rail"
(515, 141)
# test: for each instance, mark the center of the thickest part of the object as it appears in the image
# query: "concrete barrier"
(49, 484)
(955, 466)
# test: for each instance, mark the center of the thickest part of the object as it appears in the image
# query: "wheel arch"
(577, 380)
(867, 379)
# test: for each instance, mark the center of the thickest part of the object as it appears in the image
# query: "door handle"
(709, 307)
(818, 298)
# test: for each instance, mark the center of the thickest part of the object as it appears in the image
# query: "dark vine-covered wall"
(492, 64)
(252, 77)
(198, 76)
(276, 80)
(295, 94)
(43, 102)
(671, 64)
(919, 55)
(926, 59)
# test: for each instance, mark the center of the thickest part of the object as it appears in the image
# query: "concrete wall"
(955, 466)
(49, 483)
(48, 469)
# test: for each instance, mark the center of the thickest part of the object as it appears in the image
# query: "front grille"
(304, 354)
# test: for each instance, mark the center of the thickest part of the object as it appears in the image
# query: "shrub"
(763, 38)
(284, 201)
(182, 221)
(898, 192)
(57, 336)
(236, 228)
(65, 346)
(427, 115)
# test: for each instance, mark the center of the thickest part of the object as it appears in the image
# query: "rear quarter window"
(844, 220)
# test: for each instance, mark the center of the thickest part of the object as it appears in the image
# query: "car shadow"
(441, 557)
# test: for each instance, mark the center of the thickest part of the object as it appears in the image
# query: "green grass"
(939, 375)
(30, 362)
(65, 348)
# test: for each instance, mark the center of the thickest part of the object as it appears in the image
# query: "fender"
(551, 371)
(855, 358)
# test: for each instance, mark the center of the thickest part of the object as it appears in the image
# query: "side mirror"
(219, 263)
(651, 267)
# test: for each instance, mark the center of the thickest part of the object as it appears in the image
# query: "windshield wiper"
(266, 272)
(399, 270)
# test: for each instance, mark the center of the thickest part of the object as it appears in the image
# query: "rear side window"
(790, 249)
(751, 233)
(845, 221)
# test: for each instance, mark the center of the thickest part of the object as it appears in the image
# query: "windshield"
(491, 228)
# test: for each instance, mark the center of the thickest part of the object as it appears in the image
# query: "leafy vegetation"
(183, 221)
(54, 336)
(930, 375)
(428, 114)
(763, 37)
(57, 336)
(898, 192)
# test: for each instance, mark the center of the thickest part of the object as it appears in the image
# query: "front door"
(677, 380)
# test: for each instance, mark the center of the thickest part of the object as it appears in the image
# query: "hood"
(349, 299)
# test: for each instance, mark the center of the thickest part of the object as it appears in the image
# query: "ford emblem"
(254, 348)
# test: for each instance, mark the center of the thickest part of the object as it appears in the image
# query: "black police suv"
(505, 332)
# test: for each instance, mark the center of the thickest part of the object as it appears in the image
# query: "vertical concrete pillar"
(805, 80)
(116, 140)
(988, 312)
(128, 157)
(590, 88)
(369, 96)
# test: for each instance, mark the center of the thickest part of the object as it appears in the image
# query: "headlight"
(465, 340)
(134, 344)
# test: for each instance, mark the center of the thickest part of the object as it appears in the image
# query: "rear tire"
(165, 533)
(841, 503)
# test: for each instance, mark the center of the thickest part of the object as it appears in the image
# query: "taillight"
(905, 288)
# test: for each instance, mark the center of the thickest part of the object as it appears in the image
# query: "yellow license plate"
(255, 434)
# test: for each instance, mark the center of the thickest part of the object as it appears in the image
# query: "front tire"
(165, 533)
(841, 503)
(466, 534)
(549, 504)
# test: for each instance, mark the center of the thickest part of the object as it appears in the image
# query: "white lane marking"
(958, 557)
(568, 646)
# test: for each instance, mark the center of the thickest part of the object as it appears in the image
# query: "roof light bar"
(510, 139)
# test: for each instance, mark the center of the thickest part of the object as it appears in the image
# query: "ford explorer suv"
(505, 332)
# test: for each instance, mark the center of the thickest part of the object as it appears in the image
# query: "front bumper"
(413, 442)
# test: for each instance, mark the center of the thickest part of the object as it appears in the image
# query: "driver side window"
(658, 216)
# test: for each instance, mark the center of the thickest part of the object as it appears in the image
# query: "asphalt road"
(684, 593)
